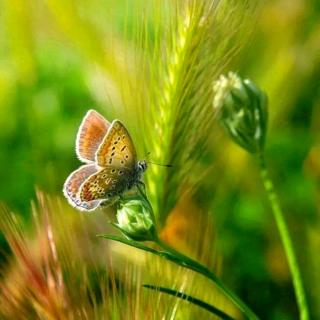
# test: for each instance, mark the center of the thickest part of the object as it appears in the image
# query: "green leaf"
(164, 254)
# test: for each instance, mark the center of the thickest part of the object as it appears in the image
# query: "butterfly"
(111, 166)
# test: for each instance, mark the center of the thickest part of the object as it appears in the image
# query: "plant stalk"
(285, 238)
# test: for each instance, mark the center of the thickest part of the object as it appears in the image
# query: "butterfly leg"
(109, 202)
(105, 204)
(141, 184)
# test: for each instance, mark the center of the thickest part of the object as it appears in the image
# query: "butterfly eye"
(120, 172)
(112, 154)
(119, 138)
(127, 156)
(113, 148)
(113, 170)
(103, 177)
(123, 136)
(122, 162)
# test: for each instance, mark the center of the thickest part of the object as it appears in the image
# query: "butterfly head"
(142, 166)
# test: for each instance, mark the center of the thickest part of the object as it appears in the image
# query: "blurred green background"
(55, 65)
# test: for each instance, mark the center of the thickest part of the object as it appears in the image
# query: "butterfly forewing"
(105, 184)
(117, 148)
(92, 131)
(72, 186)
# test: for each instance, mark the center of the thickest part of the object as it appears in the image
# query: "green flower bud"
(135, 220)
(242, 110)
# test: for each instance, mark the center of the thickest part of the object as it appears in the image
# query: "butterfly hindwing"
(72, 186)
(92, 131)
(117, 148)
(105, 184)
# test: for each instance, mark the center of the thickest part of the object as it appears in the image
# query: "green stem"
(145, 198)
(189, 263)
(286, 240)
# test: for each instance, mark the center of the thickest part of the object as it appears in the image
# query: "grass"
(62, 253)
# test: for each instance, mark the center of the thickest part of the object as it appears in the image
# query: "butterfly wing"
(105, 184)
(117, 148)
(72, 186)
(91, 132)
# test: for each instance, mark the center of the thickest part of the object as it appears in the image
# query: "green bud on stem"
(242, 110)
(136, 220)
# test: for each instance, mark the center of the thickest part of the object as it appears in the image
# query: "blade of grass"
(190, 299)
(128, 242)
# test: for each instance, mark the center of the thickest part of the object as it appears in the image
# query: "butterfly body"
(111, 169)
(119, 181)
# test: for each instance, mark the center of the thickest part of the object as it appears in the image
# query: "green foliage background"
(60, 58)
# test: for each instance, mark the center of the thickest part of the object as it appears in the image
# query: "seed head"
(242, 110)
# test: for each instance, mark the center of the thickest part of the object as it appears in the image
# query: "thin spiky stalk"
(196, 44)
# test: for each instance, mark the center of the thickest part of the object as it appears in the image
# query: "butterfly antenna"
(161, 165)
(158, 164)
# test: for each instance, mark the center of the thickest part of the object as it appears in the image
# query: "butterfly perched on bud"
(111, 163)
